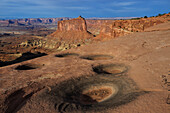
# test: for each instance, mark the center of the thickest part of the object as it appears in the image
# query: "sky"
(86, 8)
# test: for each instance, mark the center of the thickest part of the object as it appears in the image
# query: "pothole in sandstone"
(97, 57)
(94, 93)
(29, 66)
(17, 99)
(67, 55)
(111, 69)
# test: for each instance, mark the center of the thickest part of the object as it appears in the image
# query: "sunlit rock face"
(72, 29)
(77, 24)
(119, 28)
(72, 33)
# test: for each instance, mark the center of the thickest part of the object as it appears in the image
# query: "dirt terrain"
(129, 74)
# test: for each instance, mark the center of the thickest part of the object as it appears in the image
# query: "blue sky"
(86, 8)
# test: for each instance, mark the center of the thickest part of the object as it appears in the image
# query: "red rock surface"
(145, 53)
(94, 26)
(72, 29)
(123, 27)
(77, 24)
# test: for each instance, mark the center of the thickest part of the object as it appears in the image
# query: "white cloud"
(126, 10)
(123, 3)
(77, 8)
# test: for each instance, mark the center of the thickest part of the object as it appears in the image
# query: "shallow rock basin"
(67, 55)
(111, 69)
(97, 94)
(28, 66)
(97, 57)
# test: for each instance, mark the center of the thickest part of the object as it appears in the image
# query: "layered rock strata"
(31, 21)
(123, 27)
(71, 33)
(72, 29)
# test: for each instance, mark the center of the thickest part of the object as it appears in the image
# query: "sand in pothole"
(29, 66)
(67, 55)
(111, 69)
(94, 93)
(97, 57)
(97, 94)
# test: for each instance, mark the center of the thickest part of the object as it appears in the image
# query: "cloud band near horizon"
(86, 8)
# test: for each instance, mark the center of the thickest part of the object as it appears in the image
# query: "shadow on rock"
(94, 93)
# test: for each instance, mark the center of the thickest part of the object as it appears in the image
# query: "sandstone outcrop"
(75, 29)
(71, 33)
(77, 24)
(94, 26)
(123, 27)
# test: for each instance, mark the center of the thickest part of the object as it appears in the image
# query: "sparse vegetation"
(152, 16)
(160, 14)
(136, 18)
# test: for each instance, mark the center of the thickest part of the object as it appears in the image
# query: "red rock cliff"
(72, 29)
(123, 27)
(77, 24)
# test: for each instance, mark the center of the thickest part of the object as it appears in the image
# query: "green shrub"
(160, 14)
(135, 18)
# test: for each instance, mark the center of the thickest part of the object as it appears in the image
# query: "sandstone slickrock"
(37, 86)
